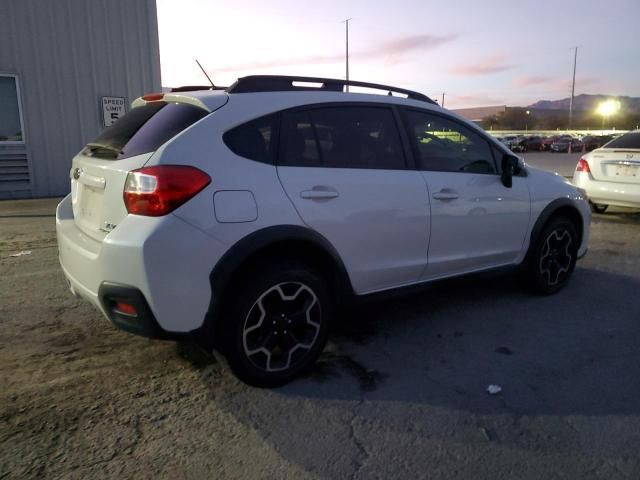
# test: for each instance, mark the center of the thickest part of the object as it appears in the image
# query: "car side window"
(299, 146)
(256, 139)
(444, 145)
(342, 137)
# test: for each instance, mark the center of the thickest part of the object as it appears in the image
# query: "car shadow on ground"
(403, 376)
(571, 353)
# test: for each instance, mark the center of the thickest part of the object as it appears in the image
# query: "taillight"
(156, 191)
(152, 97)
(582, 166)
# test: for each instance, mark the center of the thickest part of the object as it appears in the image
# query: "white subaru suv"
(242, 217)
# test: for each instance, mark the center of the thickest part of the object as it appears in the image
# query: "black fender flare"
(252, 244)
(549, 211)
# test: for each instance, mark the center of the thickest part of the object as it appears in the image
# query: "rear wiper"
(104, 147)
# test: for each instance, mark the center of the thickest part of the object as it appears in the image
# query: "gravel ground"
(399, 393)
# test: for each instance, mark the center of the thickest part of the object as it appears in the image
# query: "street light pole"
(573, 87)
(346, 22)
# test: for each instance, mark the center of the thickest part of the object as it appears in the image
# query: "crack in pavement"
(356, 441)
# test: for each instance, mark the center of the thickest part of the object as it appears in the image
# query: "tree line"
(516, 118)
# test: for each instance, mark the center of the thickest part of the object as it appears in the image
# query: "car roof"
(213, 99)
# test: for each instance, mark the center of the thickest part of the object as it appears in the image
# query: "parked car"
(242, 218)
(611, 174)
(508, 140)
(527, 144)
(547, 141)
(563, 144)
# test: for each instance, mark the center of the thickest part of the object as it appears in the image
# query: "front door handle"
(446, 194)
(318, 193)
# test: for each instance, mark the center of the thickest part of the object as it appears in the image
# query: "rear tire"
(276, 323)
(598, 207)
(552, 257)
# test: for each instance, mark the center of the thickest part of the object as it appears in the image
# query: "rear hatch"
(618, 160)
(99, 172)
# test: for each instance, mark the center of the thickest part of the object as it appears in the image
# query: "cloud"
(487, 65)
(468, 101)
(553, 83)
(391, 52)
(395, 49)
(530, 80)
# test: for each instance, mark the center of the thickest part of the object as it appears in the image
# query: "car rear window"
(628, 140)
(144, 129)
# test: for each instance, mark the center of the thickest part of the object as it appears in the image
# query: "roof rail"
(285, 83)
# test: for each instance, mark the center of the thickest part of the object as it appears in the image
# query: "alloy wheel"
(556, 257)
(282, 326)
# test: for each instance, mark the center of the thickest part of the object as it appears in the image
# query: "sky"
(479, 53)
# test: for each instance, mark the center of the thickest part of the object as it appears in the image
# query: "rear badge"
(108, 227)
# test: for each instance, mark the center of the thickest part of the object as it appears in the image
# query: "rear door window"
(299, 144)
(143, 129)
(342, 137)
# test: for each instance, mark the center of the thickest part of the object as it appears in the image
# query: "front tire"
(277, 322)
(553, 257)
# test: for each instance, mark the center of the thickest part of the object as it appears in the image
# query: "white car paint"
(378, 220)
(476, 222)
(614, 177)
(385, 225)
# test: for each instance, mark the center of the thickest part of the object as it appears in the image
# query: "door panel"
(377, 220)
(482, 227)
(344, 169)
(476, 222)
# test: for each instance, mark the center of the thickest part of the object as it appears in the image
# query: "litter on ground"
(493, 389)
(21, 253)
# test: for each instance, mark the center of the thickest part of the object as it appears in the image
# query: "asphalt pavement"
(562, 163)
(401, 391)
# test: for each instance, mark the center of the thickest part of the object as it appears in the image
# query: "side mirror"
(510, 166)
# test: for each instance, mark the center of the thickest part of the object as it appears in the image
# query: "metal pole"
(442, 104)
(573, 87)
(347, 51)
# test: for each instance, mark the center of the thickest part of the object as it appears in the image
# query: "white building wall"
(66, 55)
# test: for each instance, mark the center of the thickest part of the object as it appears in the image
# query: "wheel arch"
(559, 207)
(288, 241)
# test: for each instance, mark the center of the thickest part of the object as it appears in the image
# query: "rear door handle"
(446, 195)
(317, 193)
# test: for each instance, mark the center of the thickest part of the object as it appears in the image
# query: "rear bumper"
(166, 260)
(142, 323)
(608, 193)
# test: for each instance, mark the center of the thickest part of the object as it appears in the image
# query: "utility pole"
(442, 104)
(346, 22)
(573, 87)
